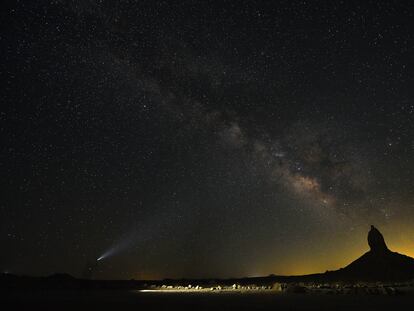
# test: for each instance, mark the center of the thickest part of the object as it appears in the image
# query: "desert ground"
(196, 300)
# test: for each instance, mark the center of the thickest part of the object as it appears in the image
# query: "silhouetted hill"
(378, 264)
(388, 266)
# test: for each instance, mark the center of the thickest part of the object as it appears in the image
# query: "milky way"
(192, 140)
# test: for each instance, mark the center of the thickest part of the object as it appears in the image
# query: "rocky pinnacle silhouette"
(376, 241)
(378, 264)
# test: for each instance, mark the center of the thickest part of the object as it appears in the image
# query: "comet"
(110, 252)
(139, 234)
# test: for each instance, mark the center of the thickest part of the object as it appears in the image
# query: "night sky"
(204, 138)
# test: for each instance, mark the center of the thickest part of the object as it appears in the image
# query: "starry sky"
(204, 138)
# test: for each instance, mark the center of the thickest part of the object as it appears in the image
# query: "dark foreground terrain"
(135, 300)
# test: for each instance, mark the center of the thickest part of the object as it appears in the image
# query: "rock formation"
(376, 241)
(378, 264)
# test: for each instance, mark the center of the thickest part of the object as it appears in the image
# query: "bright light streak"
(108, 253)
